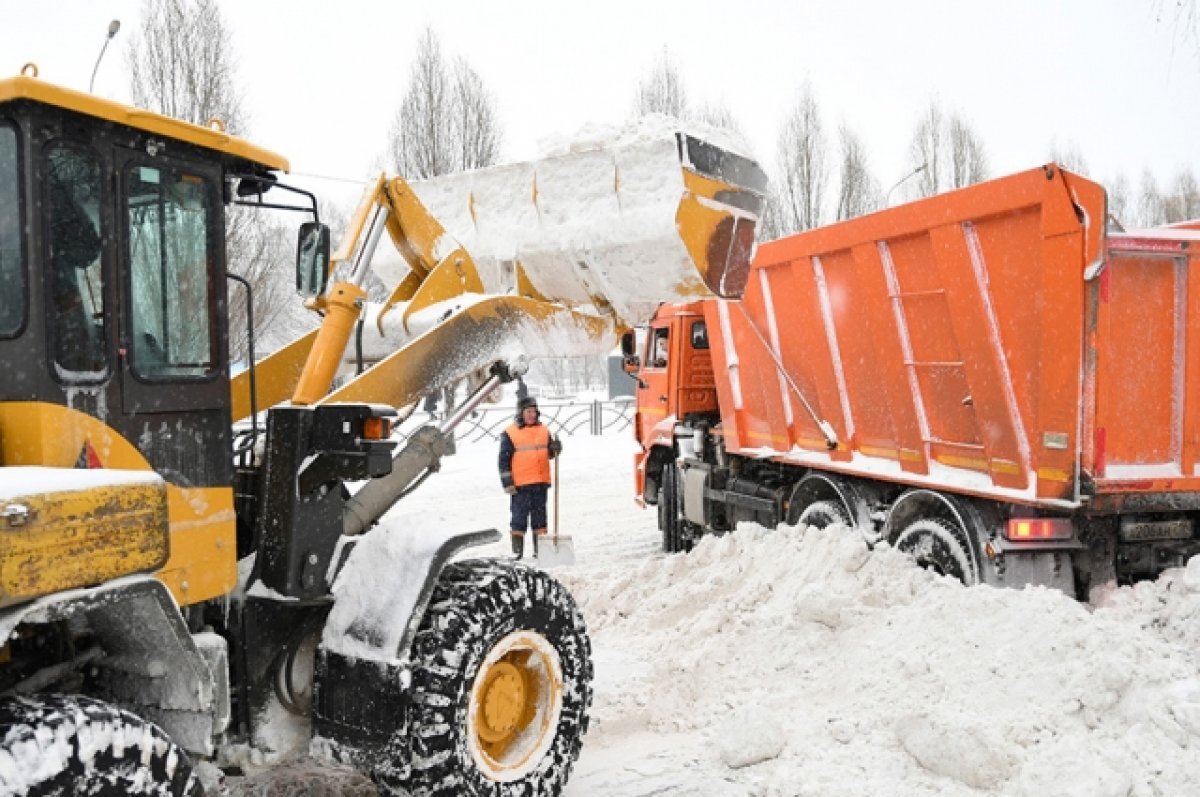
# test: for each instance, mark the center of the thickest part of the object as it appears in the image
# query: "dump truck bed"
(993, 340)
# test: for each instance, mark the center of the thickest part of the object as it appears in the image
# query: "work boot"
(518, 546)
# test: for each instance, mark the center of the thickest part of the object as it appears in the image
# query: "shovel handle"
(556, 499)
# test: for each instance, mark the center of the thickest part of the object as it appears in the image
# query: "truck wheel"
(66, 744)
(668, 511)
(502, 683)
(941, 546)
(824, 513)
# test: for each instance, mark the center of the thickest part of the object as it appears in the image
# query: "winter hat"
(526, 403)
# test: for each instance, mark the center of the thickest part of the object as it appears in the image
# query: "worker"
(526, 448)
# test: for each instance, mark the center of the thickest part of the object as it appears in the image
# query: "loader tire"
(941, 546)
(668, 511)
(501, 684)
(65, 745)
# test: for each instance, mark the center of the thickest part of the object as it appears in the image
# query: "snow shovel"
(557, 550)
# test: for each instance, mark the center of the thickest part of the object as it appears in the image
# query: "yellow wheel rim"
(504, 702)
(516, 700)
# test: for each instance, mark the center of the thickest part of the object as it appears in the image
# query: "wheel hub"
(515, 704)
(503, 702)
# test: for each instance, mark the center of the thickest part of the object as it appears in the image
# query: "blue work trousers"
(528, 507)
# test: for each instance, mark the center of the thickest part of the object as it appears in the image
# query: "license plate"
(1156, 530)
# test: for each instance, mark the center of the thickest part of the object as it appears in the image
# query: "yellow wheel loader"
(185, 556)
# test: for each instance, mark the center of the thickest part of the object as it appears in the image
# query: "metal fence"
(566, 417)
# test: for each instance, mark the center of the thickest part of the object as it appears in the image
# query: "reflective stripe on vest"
(531, 454)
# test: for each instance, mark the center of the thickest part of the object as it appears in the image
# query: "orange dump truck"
(990, 380)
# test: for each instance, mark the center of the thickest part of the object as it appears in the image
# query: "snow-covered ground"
(789, 662)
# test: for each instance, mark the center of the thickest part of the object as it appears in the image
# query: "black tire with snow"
(475, 605)
(668, 511)
(940, 545)
(823, 513)
(64, 745)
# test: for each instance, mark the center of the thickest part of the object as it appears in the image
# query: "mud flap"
(362, 670)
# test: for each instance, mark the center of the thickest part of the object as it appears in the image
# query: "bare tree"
(662, 90)
(947, 152)
(1182, 202)
(803, 165)
(1118, 200)
(716, 115)
(478, 124)
(181, 64)
(447, 121)
(858, 191)
(927, 151)
(771, 224)
(1068, 156)
(968, 162)
(1150, 207)
(421, 134)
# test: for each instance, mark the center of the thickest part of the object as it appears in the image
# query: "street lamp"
(888, 196)
(113, 27)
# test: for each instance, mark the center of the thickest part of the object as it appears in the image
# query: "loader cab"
(113, 327)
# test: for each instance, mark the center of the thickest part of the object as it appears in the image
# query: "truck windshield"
(12, 272)
(172, 332)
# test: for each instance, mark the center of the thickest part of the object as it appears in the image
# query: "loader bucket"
(617, 226)
(719, 239)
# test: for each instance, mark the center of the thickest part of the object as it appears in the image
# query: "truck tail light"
(1042, 528)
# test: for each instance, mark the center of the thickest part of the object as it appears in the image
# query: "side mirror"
(312, 259)
(629, 358)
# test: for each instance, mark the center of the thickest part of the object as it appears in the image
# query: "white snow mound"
(881, 674)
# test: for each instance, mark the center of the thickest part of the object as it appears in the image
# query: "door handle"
(662, 398)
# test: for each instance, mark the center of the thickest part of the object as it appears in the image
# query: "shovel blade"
(556, 552)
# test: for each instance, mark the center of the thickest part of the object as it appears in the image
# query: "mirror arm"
(268, 184)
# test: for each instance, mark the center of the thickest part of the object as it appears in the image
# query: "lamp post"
(888, 196)
(113, 27)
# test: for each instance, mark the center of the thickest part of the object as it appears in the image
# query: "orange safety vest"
(531, 454)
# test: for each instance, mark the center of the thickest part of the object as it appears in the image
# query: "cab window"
(74, 236)
(171, 319)
(658, 348)
(699, 335)
(12, 267)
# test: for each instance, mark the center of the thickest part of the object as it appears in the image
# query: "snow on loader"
(171, 581)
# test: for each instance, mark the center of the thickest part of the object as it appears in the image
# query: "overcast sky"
(1118, 80)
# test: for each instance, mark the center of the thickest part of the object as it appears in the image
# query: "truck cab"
(674, 370)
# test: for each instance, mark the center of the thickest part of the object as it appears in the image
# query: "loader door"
(173, 349)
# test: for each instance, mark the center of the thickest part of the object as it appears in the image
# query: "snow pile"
(850, 672)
